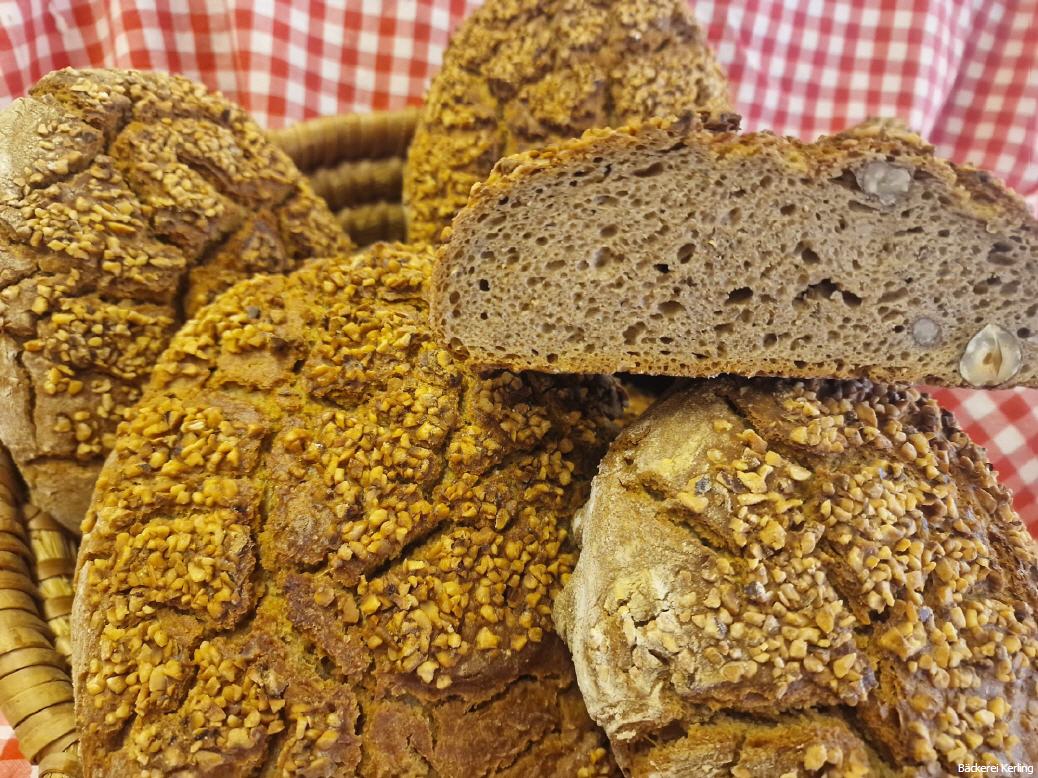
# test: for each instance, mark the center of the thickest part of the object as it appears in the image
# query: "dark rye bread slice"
(783, 578)
(323, 547)
(671, 248)
(127, 200)
(575, 65)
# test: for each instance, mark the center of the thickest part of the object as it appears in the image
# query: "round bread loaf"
(803, 579)
(127, 200)
(524, 73)
(321, 547)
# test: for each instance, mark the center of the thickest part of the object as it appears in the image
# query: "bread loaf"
(675, 249)
(523, 73)
(126, 201)
(802, 579)
(321, 547)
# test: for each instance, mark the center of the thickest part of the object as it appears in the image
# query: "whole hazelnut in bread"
(802, 579)
(323, 547)
(523, 73)
(127, 200)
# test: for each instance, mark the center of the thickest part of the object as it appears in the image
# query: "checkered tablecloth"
(964, 73)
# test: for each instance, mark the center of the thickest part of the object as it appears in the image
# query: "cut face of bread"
(322, 547)
(781, 578)
(673, 249)
(127, 201)
(525, 73)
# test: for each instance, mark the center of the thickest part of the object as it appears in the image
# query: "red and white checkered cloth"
(964, 73)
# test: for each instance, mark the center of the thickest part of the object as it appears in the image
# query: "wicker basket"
(355, 162)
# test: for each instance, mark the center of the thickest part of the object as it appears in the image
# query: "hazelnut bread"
(782, 578)
(127, 200)
(322, 547)
(524, 73)
(683, 248)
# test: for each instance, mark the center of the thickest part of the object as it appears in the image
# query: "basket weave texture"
(356, 163)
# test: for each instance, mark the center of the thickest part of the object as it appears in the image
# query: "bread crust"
(576, 65)
(778, 577)
(128, 200)
(687, 249)
(337, 546)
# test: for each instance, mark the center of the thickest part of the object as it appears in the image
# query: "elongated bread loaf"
(670, 248)
(780, 578)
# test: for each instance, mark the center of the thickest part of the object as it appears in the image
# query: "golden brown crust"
(576, 65)
(827, 575)
(129, 200)
(309, 472)
(742, 253)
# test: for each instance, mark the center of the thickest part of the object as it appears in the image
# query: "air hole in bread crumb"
(541, 240)
(685, 253)
(787, 210)
(484, 285)
(633, 333)
(809, 255)
(662, 267)
(1023, 332)
(827, 289)
(894, 296)
(484, 316)
(556, 264)
(454, 297)
(606, 200)
(603, 256)
(671, 308)
(770, 340)
(552, 358)
(724, 329)
(666, 340)
(652, 170)
(609, 231)
(739, 296)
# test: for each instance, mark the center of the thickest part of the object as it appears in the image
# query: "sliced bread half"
(683, 248)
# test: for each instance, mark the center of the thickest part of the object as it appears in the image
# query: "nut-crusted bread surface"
(127, 200)
(676, 250)
(790, 578)
(523, 73)
(321, 547)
